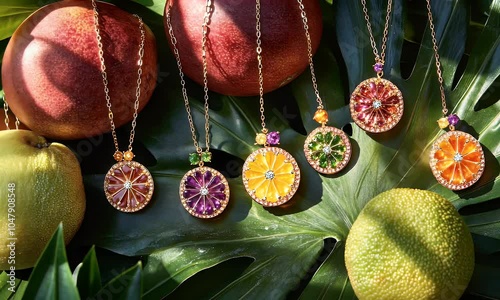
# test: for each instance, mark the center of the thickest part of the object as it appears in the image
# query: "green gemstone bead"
(319, 137)
(336, 140)
(323, 160)
(206, 156)
(328, 137)
(339, 148)
(314, 146)
(315, 155)
(194, 158)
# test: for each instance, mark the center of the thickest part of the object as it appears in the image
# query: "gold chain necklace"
(377, 104)
(6, 111)
(204, 191)
(327, 149)
(456, 157)
(128, 185)
(271, 175)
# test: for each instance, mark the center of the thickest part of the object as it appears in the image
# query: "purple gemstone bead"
(219, 196)
(453, 119)
(190, 193)
(192, 183)
(273, 138)
(199, 177)
(206, 177)
(378, 67)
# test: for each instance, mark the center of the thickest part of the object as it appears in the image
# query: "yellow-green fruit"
(409, 244)
(40, 186)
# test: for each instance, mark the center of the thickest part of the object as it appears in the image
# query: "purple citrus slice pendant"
(457, 160)
(204, 192)
(128, 186)
(271, 176)
(376, 105)
(327, 149)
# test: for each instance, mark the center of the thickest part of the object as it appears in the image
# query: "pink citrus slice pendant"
(457, 160)
(128, 186)
(376, 105)
(271, 176)
(327, 149)
(204, 192)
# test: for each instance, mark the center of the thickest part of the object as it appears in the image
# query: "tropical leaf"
(51, 278)
(88, 276)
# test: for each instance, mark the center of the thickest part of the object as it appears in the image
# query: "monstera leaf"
(270, 252)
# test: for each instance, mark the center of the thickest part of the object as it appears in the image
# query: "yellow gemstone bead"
(118, 156)
(260, 139)
(443, 123)
(321, 116)
(128, 155)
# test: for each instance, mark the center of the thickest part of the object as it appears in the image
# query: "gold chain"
(105, 78)
(436, 56)
(259, 60)
(206, 19)
(6, 111)
(378, 58)
(309, 53)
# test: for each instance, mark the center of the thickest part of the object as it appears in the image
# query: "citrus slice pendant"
(327, 149)
(128, 186)
(457, 160)
(271, 176)
(204, 192)
(376, 105)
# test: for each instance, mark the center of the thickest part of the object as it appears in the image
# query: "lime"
(409, 244)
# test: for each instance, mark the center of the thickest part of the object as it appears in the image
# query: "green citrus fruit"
(409, 244)
(40, 186)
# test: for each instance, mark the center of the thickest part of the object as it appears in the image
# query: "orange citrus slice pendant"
(204, 192)
(128, 186)
(376, 105)
(457, 160)
(271, 176)
(327, 149)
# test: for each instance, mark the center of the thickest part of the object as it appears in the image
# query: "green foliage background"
(252, 252)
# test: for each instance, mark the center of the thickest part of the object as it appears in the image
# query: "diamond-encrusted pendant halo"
(376, 105)
(128, 186)
(204, 192)
(457, 160)
(327, 149)
(271, 176)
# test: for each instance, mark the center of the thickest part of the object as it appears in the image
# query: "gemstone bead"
(261, 139)
(378, 67)
(194, 158)
(206, 156)
(118, 156)
(128, 155)
(443, 123)
(269, 175)
(321, 116)
(453, 119)
(273, 138)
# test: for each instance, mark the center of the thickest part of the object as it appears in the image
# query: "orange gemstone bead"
(321, 116)
(118, 156)
(128, 155)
